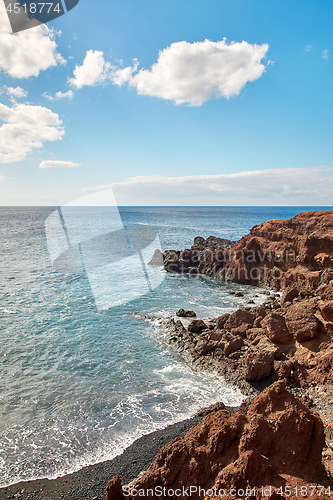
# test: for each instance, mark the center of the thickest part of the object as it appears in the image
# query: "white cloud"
(192, 73)
(1, 177)
(26, 127)
(58, 164)
(59, 95)
(28, 52)
(291, 186)
(325, 54)
(15, 93)
(307, 48)
(93, 71)
(186, 73)
(63, 95)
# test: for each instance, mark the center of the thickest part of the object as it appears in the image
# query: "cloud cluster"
(26, 53)
(15, 93)
(26, 127)
(325, 54)
(58, 164)
(93, 71)
(271, 186)
(186, 73)
(59, 95)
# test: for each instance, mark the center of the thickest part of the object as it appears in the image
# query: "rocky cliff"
(276, 253)
(272, 447)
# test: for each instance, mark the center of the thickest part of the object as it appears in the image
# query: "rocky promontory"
(277, 253)
(280, 354)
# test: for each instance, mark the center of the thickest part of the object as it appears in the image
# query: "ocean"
(80, 383)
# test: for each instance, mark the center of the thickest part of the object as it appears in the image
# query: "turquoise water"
(78, 385)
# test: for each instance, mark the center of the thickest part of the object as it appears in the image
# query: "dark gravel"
(89, 483)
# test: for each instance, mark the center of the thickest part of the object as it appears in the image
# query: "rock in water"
(157, 258)
(183, 313)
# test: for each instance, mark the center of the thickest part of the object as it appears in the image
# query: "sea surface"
(79, 384)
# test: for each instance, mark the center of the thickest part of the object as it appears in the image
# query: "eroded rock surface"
(272, 442)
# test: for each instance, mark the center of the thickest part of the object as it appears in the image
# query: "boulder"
(233, 345)
(203, 347)
(197, 326)
(289, 294)
(184, 313)
(275, 328)
(301, 320)
(220, 321)
(238, 318)
(258, 365)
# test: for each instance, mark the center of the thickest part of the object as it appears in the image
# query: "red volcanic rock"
(276, 329)
(220, 321)
(313, 369)
(239, 318)
(259, 365)
(203, 347)
(282, 369)
(275, 248)
(301, 320)
(274, 441)
(326, 310)
(197, 326)
(114, 489)
(234, 345)
(259, 361)
(289, 294)
(325, 291)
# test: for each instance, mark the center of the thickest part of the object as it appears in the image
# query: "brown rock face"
(276, 329)
(285, 253)
(275, 441)
(301, 320)
(114, 490)
(327, 310)
(259, 365)
(197, 326)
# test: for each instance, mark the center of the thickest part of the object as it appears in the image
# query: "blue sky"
(244, 118)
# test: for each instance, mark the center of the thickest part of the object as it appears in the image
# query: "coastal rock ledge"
(273, 446)
(273, 443)
(278, 253)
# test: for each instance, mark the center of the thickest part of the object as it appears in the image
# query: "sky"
(183, 102)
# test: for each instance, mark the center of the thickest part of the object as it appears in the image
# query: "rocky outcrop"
(197, 259)
(270, 443)
(294, 253)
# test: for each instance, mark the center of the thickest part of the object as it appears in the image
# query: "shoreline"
(90, 482)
